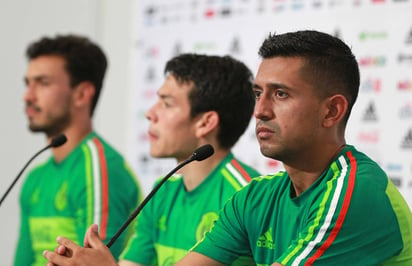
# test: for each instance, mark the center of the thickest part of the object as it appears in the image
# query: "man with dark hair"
(333, 205)
(85, 181)
(204, 100)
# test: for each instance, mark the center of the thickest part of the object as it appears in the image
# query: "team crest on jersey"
(60, 201)
(35, 196)
(206, 223)
(161, 223)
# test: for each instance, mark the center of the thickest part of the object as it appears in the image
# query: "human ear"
(207, 122)
(84, 93)
(335, 109)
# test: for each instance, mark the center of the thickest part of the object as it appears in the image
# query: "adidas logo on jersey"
(266, 240)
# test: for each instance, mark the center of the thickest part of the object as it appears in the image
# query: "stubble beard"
(53, 127)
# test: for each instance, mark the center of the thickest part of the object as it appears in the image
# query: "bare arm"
(194, 258)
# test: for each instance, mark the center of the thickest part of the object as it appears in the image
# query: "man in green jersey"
(85, 181)
(204, 99)
(333, 205)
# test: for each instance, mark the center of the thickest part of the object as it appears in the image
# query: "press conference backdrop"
(379, 32)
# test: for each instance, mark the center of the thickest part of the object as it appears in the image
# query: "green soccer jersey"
(175, 219)
(93, 184)
(352, 215)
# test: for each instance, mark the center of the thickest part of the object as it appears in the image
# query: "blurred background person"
(85, 181)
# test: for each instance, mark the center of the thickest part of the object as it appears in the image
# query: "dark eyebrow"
(36, 79)
(255, 86)
(164, 96)
(272, 86)
(278, 86)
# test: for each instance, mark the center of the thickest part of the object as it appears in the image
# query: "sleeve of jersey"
(140, 248)
(351, 222)
(227, 241)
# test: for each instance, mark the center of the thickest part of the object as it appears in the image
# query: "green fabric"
(174, 219)
(93, 184)
(352, 215)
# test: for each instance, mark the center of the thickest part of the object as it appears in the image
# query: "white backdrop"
(379, 32)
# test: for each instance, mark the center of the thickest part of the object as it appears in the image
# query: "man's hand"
(69, 253)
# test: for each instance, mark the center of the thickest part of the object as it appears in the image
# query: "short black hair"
(220, 83)
(85, 60)
(329, 62)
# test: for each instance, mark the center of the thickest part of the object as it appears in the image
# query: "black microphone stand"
(144, 202)
(199, 154)
(56, 142)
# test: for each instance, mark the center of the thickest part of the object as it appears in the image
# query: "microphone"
(199, 154)
(55, 142)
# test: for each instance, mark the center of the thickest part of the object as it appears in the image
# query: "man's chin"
(269, 152)
(42, 129)
(36, 129)
(158, 155)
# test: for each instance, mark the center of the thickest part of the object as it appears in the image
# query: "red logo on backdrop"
(274, 164)
(405, 85)
(372, 61)
(210, 13)
(371, 85)
(370, 137)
